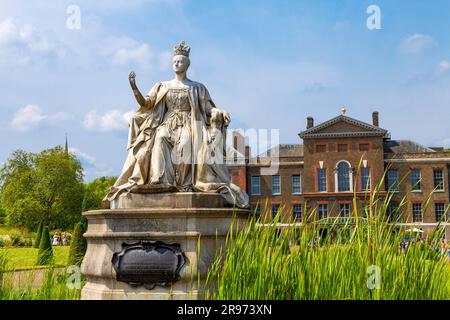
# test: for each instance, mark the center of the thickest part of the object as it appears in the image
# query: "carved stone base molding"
(147, 247)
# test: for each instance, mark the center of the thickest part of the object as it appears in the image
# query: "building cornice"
(308, 195)
(280, 164)
(407, 160)
(343, 135)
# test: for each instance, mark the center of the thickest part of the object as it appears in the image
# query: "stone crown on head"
(181, 49)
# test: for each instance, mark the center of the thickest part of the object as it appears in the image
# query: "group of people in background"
(60, 239)
(443, 246)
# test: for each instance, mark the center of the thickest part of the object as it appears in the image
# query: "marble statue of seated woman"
(177, 140)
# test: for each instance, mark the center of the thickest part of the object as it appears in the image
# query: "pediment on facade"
(343, 126)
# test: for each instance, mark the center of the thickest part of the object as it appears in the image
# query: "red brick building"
(342, 159)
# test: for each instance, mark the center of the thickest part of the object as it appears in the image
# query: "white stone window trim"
(369, 179)
(336, 181)
(276, 193)
(326, 180)
(443, 182)
(421, 213)
(300, 182)
(420, 182)
(397, 182)
(251, 187)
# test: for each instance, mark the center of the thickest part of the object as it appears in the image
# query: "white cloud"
(127, 51)
(416, 43)
(83, 156)
(442, 67)
(137, 55)
(109, 121)
(19, 44)
(32, 116)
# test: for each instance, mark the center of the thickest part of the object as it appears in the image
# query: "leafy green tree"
(37, 240)
(77, 246)
(45, 253)
(46, 187)
(95, 191)
(2, 216)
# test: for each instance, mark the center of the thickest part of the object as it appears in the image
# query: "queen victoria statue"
(176, 140)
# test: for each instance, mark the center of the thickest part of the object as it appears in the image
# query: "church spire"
(66, 148)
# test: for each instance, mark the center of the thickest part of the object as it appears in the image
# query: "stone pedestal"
(199, 222)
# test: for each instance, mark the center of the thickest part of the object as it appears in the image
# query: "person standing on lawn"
(55, 239)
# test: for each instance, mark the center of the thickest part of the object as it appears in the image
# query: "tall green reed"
(54, 284)
(295, 260)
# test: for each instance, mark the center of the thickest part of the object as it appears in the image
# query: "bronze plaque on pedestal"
(149, 263)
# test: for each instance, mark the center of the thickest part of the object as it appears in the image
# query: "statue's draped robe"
(209, 171)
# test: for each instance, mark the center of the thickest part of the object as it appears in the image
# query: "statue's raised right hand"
(132, 77)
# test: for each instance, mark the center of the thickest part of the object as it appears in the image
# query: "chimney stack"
(248, 153)
(375, 120)
(310, 122)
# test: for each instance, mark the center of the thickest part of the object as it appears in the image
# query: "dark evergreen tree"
(77, 246)
(45, 254)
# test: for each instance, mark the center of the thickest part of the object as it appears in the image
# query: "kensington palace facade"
(341, 163)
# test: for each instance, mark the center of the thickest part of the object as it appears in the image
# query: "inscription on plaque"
(149, 263)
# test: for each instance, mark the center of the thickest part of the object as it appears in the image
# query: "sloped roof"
(364, 129)
(405, 146)
(284, 151)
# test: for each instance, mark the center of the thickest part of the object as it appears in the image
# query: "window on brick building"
(276, 184)
(344, 210)
(322, 211)
(392, 212)
(297, 212)
(365, 179)
(439, 211)
(296, 184)
(275, 209)
(343, 177)
(415, 178)
(321, 147)
(256, 185)
(342, 147)
(321, 180)
(417, 212)
(392, 180)
(364, 147)
(438, 177)
(256, 209)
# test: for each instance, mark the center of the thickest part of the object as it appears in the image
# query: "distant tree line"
(47, 188)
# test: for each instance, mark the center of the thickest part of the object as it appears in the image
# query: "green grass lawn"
(26, 257)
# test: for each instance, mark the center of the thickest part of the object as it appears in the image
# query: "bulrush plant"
(359, 258)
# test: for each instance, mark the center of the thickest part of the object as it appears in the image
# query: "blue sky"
(269, 63)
